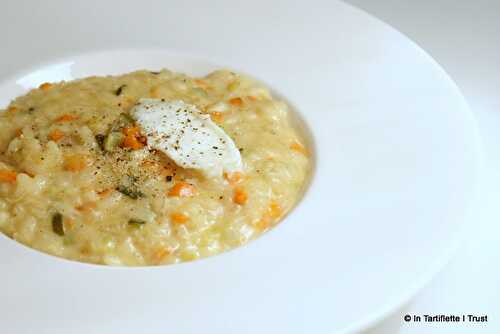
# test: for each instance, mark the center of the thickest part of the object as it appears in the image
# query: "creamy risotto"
(80, 178)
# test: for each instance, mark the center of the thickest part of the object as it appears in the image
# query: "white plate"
(396, 152)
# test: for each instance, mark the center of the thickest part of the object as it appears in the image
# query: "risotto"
(78, 179)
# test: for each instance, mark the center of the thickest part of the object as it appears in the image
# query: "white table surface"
(464, 37)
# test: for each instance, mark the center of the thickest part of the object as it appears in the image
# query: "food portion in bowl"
(147, 168)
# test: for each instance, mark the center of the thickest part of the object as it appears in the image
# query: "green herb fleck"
(126, 118)
(119, 91)
(136, 222)
(68, 240)
(123, 120)
(112, 141)
(57, 224)
(132, 193)
(100, 141)
(200, 92)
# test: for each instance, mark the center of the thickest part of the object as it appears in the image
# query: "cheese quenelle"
(187, 136)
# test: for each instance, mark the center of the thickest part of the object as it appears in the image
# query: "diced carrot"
(275, 210)
(262, 224)
(75, 163)
(67, 118)
(12, 109)
(160, 254)
(18, 132)
(182, 189)
(131, 131)
(87, 206)
(233, 178)
(45, 86)
(105, 193)
(217, 116)
(132, 142)
(133, 138)
(252, 98)
(236, 101)
(179, 218)
(296, 146)
(56, 135)
(8, 176)
(240, 196)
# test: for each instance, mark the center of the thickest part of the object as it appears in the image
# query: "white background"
(464, 37)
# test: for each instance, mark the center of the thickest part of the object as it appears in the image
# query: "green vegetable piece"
(100, 141)
(57, 224)
(132, 193)
(119, 91)
(68, 240)
(124, 120)
(136, 222)
(200, 92)
(112, 141)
